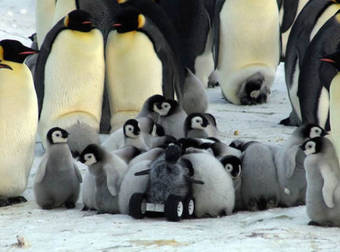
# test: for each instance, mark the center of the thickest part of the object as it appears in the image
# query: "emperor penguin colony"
(139, 69)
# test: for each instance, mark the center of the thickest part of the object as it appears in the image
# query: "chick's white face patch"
(90, 159)
(196, 122)
(57, 137)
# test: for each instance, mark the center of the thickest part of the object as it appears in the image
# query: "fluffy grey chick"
(217, 196)
(233, 165)
(171, 118)
(81, 135)
(260, 188)
(290, 165)
(323, 187)
(58, 179)
(109, 171)
(195, 98)
(133, 136)
(200, 125)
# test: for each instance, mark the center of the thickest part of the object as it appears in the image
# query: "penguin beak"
(28, 52)
(327, 60)
(4, 66)
(117, 25)
(87, 22)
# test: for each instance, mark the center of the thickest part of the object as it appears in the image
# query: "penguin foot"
(324, 224)
(70, 205)
(252, 205)
(272, 203)
(85, 208)
(213, 84)
(101, 212)
(47, 206)
(12, 201)
(291, 120)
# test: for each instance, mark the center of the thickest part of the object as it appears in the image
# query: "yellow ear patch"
(141, 21)
(66, 21)
(121, 1)
(1, 53)
(337, 18)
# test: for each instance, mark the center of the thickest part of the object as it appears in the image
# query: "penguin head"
(128, 19)
(57, 135)
(232, 164)
(312, 130)
(312, 146)
(173, 152)
(157, 130)
(153, 101)
(79, 20)
(131, 128)
(91, 155)
(13, 50)
(165, 108)
(333, 59)
(196, 121)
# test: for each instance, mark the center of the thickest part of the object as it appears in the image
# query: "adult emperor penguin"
(70, 74)
(19, 110)
(289, 11)
(310, 20)
(193, 22)
(323, 187)
(140, 63)
(249, 50)
(334, 98)
(315, 76)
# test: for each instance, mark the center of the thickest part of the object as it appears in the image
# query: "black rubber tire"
(189, 208)
(174, 208)
(136, 208)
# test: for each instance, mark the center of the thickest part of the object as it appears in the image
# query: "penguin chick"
(289, 164)
(81, 135)
(58, 179)
(323, 187)
(133, 135)
(260, 188)
(148, 107)
(109, 171)
(127, 153)
(171, 118)
(199, 125)
(116, 139)
(233, 165)
(217, 196)
(220, 149)
(195, 98)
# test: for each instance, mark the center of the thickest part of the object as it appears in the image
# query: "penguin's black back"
(298, 41)
(191, 21)
(324, 43)
(289, 12)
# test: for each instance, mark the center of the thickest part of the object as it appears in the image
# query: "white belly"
(134, 73)
(74, 81)
(18, 126)
(334, 110)
(285, 36)
(62, 8)
(328, 13)
(44, 18)
(204, 64)
(245, 45)
(294, 90)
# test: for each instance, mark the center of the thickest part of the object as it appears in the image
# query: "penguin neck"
(335, 112)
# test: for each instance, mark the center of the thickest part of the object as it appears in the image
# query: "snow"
(74, 230)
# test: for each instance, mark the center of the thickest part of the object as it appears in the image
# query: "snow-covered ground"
(73, 230)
